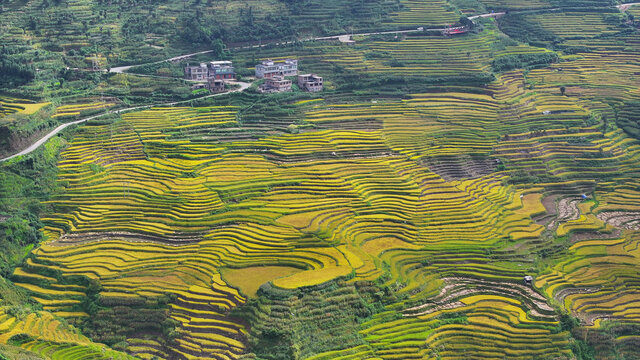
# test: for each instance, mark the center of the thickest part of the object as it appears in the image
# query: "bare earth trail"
(243, 85)
(54, 132)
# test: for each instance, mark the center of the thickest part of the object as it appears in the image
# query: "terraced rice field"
(578, 24)
(518, 4)
(49, 337)
(249, 279)
(596, 282)
(634, 10)
(151, 209)
(363, 228)
(589, 76)
(417, 13)
(10, 106)
(435, 57)
(76, 110)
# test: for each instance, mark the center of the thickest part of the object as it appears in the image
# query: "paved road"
(54, 132)
(120, 69)
(498, 14)
(624, 7)
(347, 37)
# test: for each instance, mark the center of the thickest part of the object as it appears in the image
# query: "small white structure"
(528, 280)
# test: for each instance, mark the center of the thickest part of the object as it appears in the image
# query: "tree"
(464, 21)
(562, 90)
(14, 70)
(217, 48)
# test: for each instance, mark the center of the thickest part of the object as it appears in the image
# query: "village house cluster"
(275, 73)
(213, 75)
(219, 70)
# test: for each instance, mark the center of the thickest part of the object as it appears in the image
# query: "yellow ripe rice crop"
(312, 277)
(249, 279)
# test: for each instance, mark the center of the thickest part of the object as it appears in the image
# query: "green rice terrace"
(465, 183)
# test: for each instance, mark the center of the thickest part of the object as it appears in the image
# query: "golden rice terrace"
(470, 196)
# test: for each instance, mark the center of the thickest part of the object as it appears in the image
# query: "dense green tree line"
(518, 61)
(13, 69)
(628, 118)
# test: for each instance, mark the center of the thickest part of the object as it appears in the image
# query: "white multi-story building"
(268, 68)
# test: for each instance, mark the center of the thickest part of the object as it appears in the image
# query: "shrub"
(516, 61)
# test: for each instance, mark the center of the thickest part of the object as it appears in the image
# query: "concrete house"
(196, 72)
(268, 68)
(215, 85)
(199, 86)
(220, 70)
(275, 84)
(310, 82)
